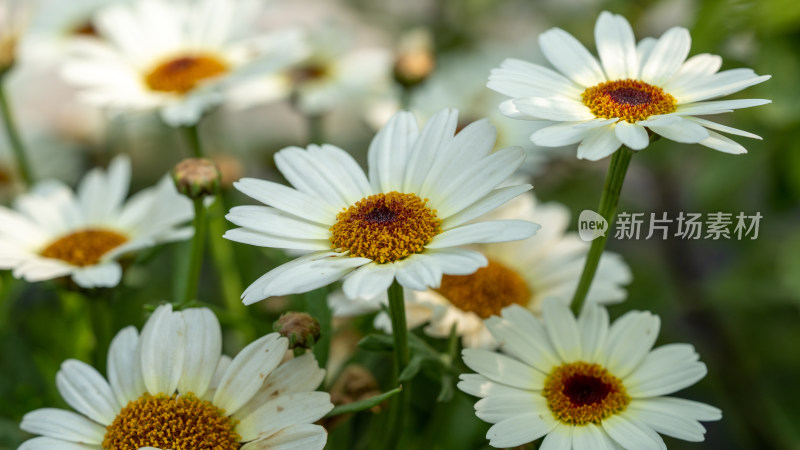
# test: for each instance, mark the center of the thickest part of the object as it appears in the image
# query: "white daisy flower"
(405, 221)
(53, 232)
(583, 384)
(334, 73)
(177, 56)
(639, 89)
(547, 265)
(171, 388)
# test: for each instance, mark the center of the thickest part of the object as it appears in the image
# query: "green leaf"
(363, 404)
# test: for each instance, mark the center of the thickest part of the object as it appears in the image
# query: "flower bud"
(196, 177)
(301, 329)
(415, 59)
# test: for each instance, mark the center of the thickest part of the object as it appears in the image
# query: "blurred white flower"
(52, 232)
(547, 265)
(14, 18)
(406, 221)
(583, 384)
(638, 90)
(174, 377)
(335, 73)
(180, 57)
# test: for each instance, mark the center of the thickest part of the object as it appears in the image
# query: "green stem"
(196, 261)
(316, 304)
(13, 136)
(608, 207)
(192, 135)
(230, 277)
(399, 407)
(100, 316)
(316, 128)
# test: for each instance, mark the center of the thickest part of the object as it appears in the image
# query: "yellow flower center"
(579, 393)
(629, 100)
(84, 248)
(171, 422)
(309, 72)
(181, 75)
(487, 291)
(385, 227)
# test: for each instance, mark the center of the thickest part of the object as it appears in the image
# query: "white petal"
(388, 152)
(124, 370)
(487, 203)
(438, 131)
(83, 388)
(554, 108)
(287, 199)
(161, 348)
(718, 85)
(304, 174)
(274, 222)
(630, 435)
(252, 237)
(632, 135)
(676, 128)
(723, 144)
(629, 341)
(296, 437)
(521, 322)
(302, 275)
(599, 143)
(718, 107)
(559, 438)
(502, 369)
(46, 443)
(616, 46)
(61, 424)
(419, 272)
(299, 374)
(480, 386)
(522, 345)
(369, 280)
(485, 233)
(723, 128)
(496, 408)
(665, 421)
(563, 329)
(665, 370)
(284, 411)
(593, 325)
(643, 50)
(102, 275)
(519, 430)
(516, 78)
(562, 134)
(589, 436)
(667, 56)
(570, 57)
(203, 349)
(696, 67)
(248, 370)
(341, 171)
(457, 261)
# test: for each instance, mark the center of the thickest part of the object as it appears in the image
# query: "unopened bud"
(301, 329)
(415, 58)
(196, 177)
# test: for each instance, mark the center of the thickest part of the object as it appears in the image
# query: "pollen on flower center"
(579, 393)
(182, 74)
(175, 422)
(487, 291)
(629, 100)
(85, 247)
(385, 227)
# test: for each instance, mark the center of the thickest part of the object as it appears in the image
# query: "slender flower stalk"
(196, 255)
(192, 135)
(608, 208)
(14, 138)
(400, 407)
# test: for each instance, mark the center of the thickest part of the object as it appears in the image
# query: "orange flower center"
(175, 422)
(629, 100)
(84, 248)
(579, 393)
(182, 74)
(487, 291)
(385, 227)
